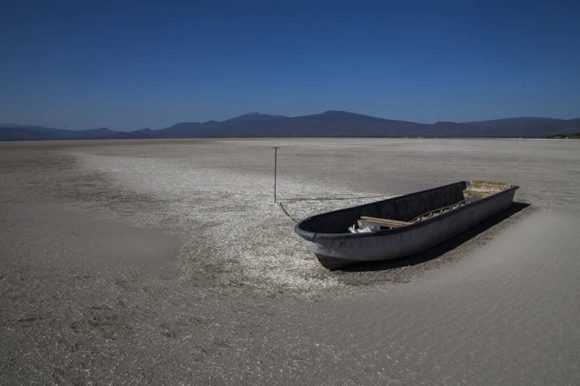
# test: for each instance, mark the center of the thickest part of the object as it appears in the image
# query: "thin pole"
(275, 169)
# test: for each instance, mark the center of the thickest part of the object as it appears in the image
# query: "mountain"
(24, 133)
(327, 124)
(346, 124)
(526, 127)
(255, 117)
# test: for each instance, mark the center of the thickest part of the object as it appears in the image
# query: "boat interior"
(404, 210)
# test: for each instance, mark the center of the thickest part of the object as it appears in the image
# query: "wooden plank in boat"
(386, 222)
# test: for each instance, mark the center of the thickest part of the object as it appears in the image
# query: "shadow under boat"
(439, 249)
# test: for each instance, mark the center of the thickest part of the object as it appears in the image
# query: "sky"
(128, 65)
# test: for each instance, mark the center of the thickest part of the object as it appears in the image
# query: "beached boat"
(403, 225)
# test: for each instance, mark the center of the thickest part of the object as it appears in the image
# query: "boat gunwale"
(312, 236)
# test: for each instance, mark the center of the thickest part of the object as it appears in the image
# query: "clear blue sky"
(134, 64)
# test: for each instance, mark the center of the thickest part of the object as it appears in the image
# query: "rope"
(286, 213)
(438, 211)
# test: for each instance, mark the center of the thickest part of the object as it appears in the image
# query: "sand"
(168, 262)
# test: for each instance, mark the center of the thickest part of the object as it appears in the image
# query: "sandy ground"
(167, 262)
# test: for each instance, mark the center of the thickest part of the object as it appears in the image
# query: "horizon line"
(96, 127)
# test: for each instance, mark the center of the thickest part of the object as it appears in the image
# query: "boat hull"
(338, 250)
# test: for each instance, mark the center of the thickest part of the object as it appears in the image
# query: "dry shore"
(168, 262)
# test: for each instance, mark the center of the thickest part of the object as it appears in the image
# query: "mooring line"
(286, 212)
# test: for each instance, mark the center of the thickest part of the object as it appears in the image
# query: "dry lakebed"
(167, 262)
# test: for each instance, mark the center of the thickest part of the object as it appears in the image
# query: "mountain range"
(327, 124)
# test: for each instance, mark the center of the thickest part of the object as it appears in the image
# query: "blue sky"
(134, 64)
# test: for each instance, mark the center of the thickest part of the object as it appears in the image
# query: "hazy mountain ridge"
(327, 124)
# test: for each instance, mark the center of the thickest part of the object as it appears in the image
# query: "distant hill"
(20, 133)
(327, 124)
(565, 136)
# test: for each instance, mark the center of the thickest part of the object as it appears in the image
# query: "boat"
(404, 225)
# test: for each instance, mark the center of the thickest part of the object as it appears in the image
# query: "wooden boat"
(404, 225)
